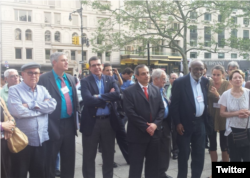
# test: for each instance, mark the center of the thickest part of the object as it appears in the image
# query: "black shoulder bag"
(241, 139)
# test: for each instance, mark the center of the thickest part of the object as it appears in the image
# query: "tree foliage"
(151, 21)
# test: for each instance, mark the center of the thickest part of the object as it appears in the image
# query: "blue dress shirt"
(126, 83)
(64, 113)
(100, 85)
(196, 87)
(165, 104)
(33, 121)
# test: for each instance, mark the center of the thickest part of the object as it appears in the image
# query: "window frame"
(17, 17)
(46, 54)
(222, 57)
(20, 52)
(209, 57)
(31, 53)
(20, 35)
(59, 37)
(29, 34)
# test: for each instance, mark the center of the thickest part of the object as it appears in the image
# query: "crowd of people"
(172, 113)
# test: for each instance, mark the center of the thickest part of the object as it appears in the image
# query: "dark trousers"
(31, 159)
(5, 159)
(66, 146)
(137, 153)
(104, 134)
(238, 154)
(174, 133)
(197, 140)
(165, 149)
(121, 138)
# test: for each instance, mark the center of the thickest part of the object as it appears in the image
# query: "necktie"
(145, 92)
(67, 98)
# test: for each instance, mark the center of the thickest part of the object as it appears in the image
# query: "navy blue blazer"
(182, 107)
(91, 103)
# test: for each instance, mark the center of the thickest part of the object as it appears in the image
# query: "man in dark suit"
(99, 119)
(145, 111)
(188, 110)
(63, 121)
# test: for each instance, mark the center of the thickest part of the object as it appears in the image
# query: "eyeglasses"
(33, 73)
(14, 76)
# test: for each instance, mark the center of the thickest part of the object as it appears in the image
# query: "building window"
(99, 55)
(28, 35)
(84, 55)
(47, 36)
(207, 17)
(107, 56)
(84, 21)
(176, 26)
(74, 34)
(234, 38)
(75, 20)
(246, 34)
(234, 55)
(99, 40)
(18, 34)
(18, 53)
(73, 55)
(193, 15)
(207, 36)
(27, 1)
(234, 20)
(193, 55)
(193, 35)
(221, 55)
(246, 56)
(23, 15)
(28, 53)
(47, 17)
(47, 54)
(57, 37)
(221, 38)
(57, 18)
(246, 21)
(207, 55)
(60, 50)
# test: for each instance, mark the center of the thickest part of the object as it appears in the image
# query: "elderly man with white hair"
(12, 78)
(159, 78)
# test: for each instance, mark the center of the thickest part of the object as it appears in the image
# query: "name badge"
(199, 99)
(216, 105)
(65, 90)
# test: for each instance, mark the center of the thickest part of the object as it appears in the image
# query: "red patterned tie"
(145, 92)
(67, 98)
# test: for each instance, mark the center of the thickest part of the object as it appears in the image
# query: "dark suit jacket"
(91, 103)
(138, 110)
(182, 107)
(48, 81)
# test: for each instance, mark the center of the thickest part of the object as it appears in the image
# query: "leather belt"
(102, 117)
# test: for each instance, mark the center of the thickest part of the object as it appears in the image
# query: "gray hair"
(138, 67)
(55, 56)
(157, 73)
(7, 72)
(233, 64)
(195, 61)
(173, 73)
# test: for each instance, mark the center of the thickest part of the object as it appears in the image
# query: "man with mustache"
(189, 113)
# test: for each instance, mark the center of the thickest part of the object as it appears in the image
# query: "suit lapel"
(53, 83)
(105, 84)
(94, 85)
(141, 92)
(189, 91)
(203, 91)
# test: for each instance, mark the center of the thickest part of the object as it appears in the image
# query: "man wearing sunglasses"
(30, 105)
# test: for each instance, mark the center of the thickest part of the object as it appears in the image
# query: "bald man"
(189, 114)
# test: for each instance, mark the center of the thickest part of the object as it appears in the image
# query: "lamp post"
(84, 39)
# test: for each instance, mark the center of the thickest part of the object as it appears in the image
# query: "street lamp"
(84, 39)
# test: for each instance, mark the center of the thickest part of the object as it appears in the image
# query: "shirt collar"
(57, 76)
(194, 81)
(142, 85)
(26, 87)
(5, 88)
(96, 77)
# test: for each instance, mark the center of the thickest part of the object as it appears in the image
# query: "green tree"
(154, 22)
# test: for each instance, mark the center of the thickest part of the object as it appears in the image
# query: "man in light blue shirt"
(127, 78)
(30, 105)
(159, 78)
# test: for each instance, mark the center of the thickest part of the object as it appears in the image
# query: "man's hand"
(180, 129)
(25, 105)
(112, 90)
(115, 71)
(151, 128)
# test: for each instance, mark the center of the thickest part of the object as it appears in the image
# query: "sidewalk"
(123, 169)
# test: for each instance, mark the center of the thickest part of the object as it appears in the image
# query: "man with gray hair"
(12, 78)
(159, 78)
(63, 121)
(233, 65)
